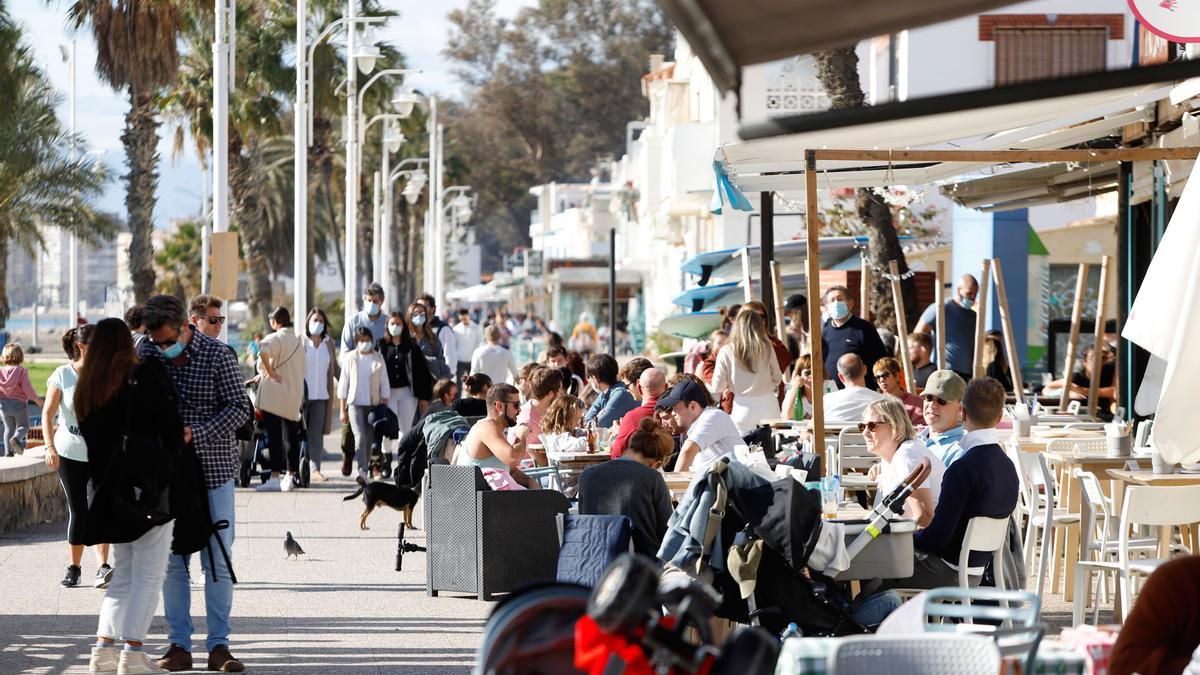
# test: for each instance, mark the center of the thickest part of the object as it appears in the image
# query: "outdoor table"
(1038, 442)
(572, 464)
(1125, 477)
(809, 656)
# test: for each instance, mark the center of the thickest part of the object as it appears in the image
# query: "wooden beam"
(747, 275)
(766, 253)
(1101, 301)
(985, 281)
(1005, 156)
(812, 263)
(939, 301)
(1010, 341)
(1073, 340)
(777, 289)
(901, 326)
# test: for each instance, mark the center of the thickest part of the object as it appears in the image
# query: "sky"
(420, 32)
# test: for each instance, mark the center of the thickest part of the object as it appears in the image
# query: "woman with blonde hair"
(890, 437)
(749, 368)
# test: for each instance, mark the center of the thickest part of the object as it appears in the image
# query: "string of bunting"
(882, 273)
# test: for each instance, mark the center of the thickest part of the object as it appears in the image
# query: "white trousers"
(137, 584)
(404, 404)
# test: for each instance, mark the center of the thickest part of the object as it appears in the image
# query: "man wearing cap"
(708, 432)
(943, 415)
(960, 326)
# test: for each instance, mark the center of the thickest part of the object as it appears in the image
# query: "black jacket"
(401, 366)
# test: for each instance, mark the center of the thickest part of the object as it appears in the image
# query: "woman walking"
(321, 370)
(363, 385)
(409, 380)
(16, 391)
(748, 366)
(67, 453)
(426, 338)
(127, 409)
(281, 371)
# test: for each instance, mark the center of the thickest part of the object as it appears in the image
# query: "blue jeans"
(218, 594)
(875, 608)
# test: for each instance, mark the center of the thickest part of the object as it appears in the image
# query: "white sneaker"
(136, 662)
(272, 485)
(287, 484)
(104, 660)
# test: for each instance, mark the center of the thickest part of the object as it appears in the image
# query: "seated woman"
(633, 486)
(1081, 379)
(561, 424)
(995, 364)
(797, 403)
(890, 436)
(474, 404)
(887, 373)
(486, 445)
(545, 385)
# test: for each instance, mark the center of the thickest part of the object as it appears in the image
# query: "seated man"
(708, 432)
(847, 404)
(920, 353)
(614, 399)
(651, 385)
(944, 430)
(983, 482)
(486, 446)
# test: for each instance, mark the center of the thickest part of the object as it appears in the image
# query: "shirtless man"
(486, 446)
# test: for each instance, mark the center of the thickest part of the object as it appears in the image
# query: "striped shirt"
(212, 401)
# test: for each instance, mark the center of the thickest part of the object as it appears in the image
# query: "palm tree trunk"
(4, 308)
(246, 185)
(140, 139)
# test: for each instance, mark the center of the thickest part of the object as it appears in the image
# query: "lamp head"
(394, 140)
(365, 56)
(405, 101)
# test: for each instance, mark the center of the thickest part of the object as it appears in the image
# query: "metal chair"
(1017, 613)
(1045, 513)
(915, 655)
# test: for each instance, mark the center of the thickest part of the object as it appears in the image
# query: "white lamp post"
(72, 243)
(461, 211)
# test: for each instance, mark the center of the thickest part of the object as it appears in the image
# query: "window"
(1026, 54)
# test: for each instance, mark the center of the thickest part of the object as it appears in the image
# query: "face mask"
(418, 319)
(364, 348)
(966, 303)
(316, 327)
(173, 351)
(371, 307)
(839, 310)
(394, 330)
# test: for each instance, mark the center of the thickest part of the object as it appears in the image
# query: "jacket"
(348, 382)
(287, 354)
(439, 427)
(415, 367)
(611, 406)
(683, 545)
(589, 544)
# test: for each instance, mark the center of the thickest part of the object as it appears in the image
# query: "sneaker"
(135, 661)
(71, 578)
(103, 576)
(221, 661)
(104, 660)
(175, 659)
(287, 483)
(272, 485)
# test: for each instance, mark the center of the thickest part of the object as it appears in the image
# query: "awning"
(694, 325)
(727, 263)
(730, 35)
(481, 293)
(710, 297)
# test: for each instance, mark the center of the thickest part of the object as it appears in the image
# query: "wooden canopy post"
(985, 279)
(1097, 357)
(812, 270)
(777, 289)
(1010, 342)
(901, 325)
(747, 276)
(939, 302)
(864, 288)
(1073, 340)
(766, 254)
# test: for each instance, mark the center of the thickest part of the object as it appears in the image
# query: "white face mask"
(418, 319)
(394, 330)
(316, 328)
(371, 307)
(364, 348)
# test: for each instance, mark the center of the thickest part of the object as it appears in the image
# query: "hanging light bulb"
(394, 140)
(404, 101)
(417, 179)
(411, 194)
(365, 56)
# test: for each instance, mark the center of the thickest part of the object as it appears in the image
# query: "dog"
(400, 497)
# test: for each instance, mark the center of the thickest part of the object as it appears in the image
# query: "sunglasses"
(929, 398)
(215, 320)
(870, 426)
(164, 343)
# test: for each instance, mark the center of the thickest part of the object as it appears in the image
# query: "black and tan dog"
(402, 498)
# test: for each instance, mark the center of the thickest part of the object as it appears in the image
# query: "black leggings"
(282, 433)
(73, 475)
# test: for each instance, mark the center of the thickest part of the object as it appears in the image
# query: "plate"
(1051, 433)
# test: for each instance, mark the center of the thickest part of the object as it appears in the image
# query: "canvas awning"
(727, 263)
(489, 292)
(730, 35)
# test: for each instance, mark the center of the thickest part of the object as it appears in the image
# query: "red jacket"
(629, 424)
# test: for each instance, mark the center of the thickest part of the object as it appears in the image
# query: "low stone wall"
(29, 493)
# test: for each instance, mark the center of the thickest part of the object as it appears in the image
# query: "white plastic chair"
(1045, 515)
(1158, 506)
(1086, 446)
(914, 655)
(853, 453)
(986, 535)
(1141, 435)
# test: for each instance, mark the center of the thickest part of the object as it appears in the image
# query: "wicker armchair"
(484, 542)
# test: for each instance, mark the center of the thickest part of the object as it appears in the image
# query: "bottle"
(792, 631)
(591, 436)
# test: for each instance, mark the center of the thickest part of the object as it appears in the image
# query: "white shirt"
(496, 362)
(908, 456)
(715, 433)
(847, 405)
(68, 440)
(449, 341)
(979, 437)
(316, 372)
(729, 374)
(467, 338)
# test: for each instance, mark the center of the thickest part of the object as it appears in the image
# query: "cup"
(1158, 464)
(829, 503)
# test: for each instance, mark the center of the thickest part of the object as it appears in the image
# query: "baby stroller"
(256, 457)
(766, 548)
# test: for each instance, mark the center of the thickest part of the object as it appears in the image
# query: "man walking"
(467, 338)
(213, 404)
(371, 316)
(960, 327)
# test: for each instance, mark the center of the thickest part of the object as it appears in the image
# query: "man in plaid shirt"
(213, 404)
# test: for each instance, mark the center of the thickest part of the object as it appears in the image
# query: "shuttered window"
(1025, 54)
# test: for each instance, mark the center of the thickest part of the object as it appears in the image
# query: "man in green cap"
(943, 415)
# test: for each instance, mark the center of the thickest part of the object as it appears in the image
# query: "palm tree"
(177, 261)
(39, 185)
(136, 51)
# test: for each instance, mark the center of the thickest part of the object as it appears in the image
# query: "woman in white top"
(66, 451)
(747, 366)
(493, 360)
(320, 375)
(891, 437)
(364, 384)
(561, 424)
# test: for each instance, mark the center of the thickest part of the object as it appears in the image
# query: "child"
(16, 391)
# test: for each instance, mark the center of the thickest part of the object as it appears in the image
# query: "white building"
(97, 271)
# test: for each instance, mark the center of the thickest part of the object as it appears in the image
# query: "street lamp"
(68, 55)
(404, 102)
(460, 211)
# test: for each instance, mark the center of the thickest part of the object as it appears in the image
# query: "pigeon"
(292, 547)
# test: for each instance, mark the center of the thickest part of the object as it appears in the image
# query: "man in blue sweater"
(983, 482)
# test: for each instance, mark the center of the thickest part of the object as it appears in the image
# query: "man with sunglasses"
(206, 315)
(942, 409)
(486, 445)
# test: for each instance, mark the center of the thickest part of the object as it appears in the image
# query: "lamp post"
(223, 75)
(460, 209)
(72, 242)
(390, 142)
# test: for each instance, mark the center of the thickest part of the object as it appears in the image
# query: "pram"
(255, 457)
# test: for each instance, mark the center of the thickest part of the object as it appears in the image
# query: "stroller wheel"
(624, 594)
(748, 652)
(305, 472)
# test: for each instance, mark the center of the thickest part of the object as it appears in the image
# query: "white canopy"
(488, 292)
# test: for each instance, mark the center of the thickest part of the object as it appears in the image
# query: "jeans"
(404, 404)
(283, 442)
(314, 426)
(132, 597)
(875, 608)
(16, 424)
(364, 435)
(218, 593)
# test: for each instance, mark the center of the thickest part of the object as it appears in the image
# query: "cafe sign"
(1174, 20)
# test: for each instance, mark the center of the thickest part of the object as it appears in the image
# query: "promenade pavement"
(341, 608)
